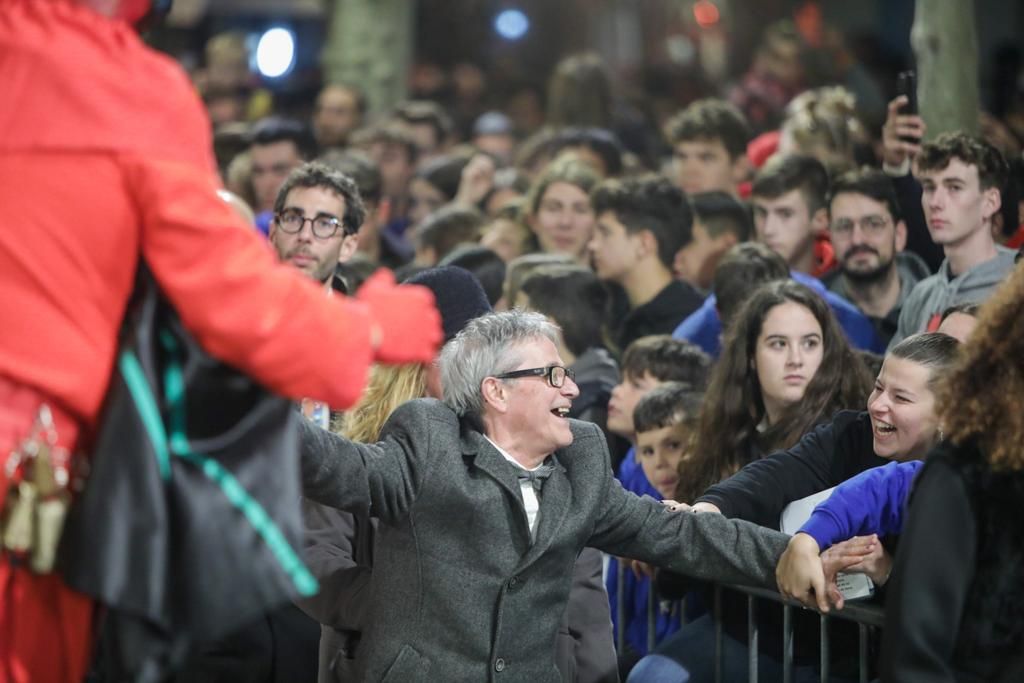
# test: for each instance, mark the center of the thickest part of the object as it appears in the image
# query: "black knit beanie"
(460, 297)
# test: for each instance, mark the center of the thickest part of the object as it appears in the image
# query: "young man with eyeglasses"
(869, 236)
(316, 221)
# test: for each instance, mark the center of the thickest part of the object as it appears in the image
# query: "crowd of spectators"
(726, 281)
(767, 293)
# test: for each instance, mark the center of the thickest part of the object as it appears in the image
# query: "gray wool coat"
(459, 592)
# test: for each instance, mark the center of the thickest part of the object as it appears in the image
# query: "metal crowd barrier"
(865, 615)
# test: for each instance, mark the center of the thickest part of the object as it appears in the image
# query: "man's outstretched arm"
(704, 546)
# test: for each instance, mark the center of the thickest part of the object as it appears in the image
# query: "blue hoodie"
(873, 502)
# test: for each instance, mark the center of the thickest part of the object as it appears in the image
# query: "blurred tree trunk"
(945, 44)
(369, 44)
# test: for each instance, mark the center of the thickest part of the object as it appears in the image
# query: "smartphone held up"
(906, 85)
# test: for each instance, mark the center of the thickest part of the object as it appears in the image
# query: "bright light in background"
(706, 13)
(275, 52)
(511, 24)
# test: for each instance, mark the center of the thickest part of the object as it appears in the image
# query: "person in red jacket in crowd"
(106, 159)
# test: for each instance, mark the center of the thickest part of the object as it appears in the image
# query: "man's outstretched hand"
(802, 576)
(408, 326)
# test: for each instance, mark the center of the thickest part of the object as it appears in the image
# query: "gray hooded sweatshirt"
(931, 296)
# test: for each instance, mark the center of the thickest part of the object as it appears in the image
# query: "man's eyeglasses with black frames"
(324, 226)
(554, 374)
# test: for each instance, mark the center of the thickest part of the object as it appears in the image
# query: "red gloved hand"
(408, 323)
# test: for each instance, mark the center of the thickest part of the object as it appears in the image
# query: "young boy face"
(659, 452)
(624, 399)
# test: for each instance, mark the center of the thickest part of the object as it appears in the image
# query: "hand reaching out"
(897, 133)
(802, 575)
(869, 556)
(476, 181)
(407, 325)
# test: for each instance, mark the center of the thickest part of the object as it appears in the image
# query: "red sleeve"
(243, 305)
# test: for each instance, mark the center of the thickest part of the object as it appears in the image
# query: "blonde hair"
(823, 123)
(389, 387)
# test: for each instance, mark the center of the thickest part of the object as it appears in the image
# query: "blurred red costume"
(105, 155)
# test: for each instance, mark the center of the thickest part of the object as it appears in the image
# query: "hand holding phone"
(906, 86)
(904, 128)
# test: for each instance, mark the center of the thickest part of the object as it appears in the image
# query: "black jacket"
(660, 315)
(955, 609)
(825, 457)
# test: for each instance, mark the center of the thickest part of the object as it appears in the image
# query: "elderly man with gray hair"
(486, 499)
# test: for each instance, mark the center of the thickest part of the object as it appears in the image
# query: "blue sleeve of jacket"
(855, 324)
(703, 328)
(870, 503)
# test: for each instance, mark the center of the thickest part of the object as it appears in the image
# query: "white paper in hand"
(852, 586)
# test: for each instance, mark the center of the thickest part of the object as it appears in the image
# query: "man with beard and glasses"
(869, 236)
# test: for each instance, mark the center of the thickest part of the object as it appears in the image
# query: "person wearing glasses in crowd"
(328, 203)
(486, 499)
(869, 236)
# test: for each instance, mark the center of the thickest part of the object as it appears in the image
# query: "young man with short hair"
(709, 147)
(276, 147)
(316, 222)
(428, 123)
(375, 244)
(961, 176)
(869, 236)
(790, 212)
(393, 148)
(339, 110)
(641, 224)
(720, 222)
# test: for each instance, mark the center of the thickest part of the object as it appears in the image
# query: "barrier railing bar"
(862, 652)
(824, 650)
(718, 633)
(620, 608)
(787, 644)
(651, 617)
(752, 645)
(866, 613)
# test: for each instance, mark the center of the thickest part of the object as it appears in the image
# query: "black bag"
(188, 524)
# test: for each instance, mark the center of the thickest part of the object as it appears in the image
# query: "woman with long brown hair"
(785, 367)
(955, 609)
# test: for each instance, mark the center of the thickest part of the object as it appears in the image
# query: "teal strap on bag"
(138, 387)
(174, 393)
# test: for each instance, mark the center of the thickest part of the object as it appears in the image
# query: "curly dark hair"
(980, 399)
(993, 171)
(727, 437)
(316, 174)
